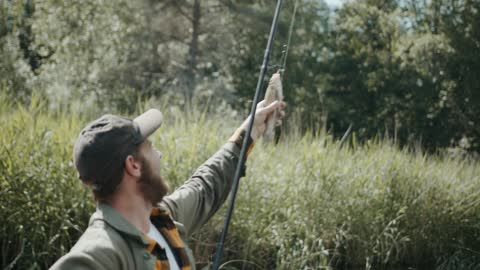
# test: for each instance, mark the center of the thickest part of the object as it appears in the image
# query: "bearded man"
(136, 224)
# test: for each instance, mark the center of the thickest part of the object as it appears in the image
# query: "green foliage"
(462, 26)
(305, 203)
(392, 71)
(43, 206)
(404, 68)
(310, 205)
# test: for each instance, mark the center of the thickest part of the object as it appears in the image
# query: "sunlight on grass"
(306, 203)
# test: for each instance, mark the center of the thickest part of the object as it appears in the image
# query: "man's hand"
(261, 115)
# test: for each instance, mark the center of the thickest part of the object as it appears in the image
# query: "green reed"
(306, 203)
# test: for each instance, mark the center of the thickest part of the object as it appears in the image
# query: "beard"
(152, 185)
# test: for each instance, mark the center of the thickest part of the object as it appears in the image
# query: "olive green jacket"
(111, 242)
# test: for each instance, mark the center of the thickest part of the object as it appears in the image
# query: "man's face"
(152, 185)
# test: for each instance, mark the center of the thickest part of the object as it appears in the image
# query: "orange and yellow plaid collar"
(162, 220)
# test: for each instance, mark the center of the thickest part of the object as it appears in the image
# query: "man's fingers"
(271, 107)
(278, 123)
(282, 105)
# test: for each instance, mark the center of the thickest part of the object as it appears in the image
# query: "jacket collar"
(113, 218)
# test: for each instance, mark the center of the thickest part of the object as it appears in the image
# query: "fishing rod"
(236, 178)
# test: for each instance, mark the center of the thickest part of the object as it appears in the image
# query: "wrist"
(254, 135)
(239, 136)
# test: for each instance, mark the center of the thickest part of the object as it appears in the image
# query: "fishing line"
(287, 47)
(242, 157)
(241, 160)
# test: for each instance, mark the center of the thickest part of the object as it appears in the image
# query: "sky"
(335, 3)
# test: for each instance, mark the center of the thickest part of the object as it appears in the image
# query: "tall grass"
(305, 203)
(43, 208)
(372, 205)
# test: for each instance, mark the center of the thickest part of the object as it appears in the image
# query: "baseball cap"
(103, 145)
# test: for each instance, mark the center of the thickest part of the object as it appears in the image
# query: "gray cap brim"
(149, 121)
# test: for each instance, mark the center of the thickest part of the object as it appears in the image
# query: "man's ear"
(132, 166)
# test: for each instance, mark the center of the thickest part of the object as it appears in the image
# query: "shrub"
(306, 203)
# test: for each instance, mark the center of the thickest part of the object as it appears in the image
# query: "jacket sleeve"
(202, 195)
